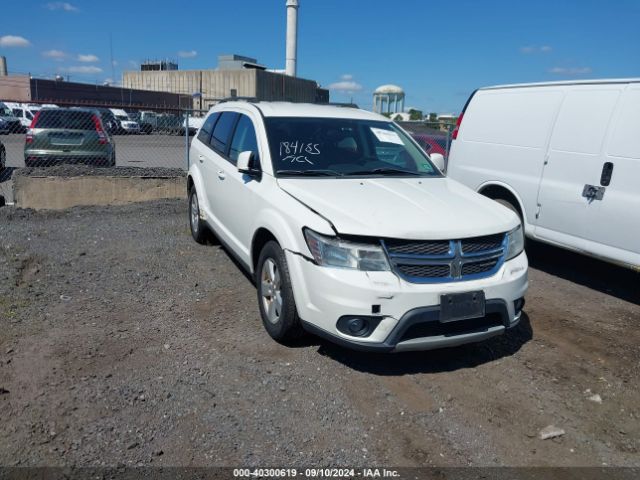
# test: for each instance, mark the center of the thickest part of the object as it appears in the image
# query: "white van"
(564, 155)
(128, 126)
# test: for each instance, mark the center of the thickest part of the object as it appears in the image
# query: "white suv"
(351, 231)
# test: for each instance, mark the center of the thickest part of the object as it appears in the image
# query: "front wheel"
(198, 228)
(275, 295)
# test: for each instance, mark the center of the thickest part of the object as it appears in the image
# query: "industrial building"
(25, 89)
(236, 75)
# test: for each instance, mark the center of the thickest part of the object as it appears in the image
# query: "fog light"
(358, 326)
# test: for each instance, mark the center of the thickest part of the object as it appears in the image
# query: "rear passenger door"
(240, 197)
(574, 159)
(215, 168)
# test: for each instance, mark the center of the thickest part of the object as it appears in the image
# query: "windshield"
(5, 111)
(122, 117)
(343, 147)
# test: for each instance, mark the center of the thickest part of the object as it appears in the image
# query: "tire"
(275, 295)
(3, 158)
(198, 227)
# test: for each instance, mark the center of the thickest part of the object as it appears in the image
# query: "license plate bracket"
(462, 306)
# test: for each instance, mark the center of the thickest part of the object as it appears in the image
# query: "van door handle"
(591, 192)
(607, 172)
(221, 175)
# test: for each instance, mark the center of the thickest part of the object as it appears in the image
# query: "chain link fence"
(44, 135)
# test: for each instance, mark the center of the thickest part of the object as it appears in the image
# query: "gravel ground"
(123, 342)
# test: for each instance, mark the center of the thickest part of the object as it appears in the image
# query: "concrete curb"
(58, 193)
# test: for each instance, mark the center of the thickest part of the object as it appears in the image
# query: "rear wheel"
(198, 228)
(3, 158)
(275, 295)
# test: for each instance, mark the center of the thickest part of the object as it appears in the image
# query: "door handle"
(201, 158)
(591, 192)
(607, 172)
(221, 175)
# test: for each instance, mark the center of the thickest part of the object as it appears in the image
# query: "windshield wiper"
(311, 173)
(386, 170)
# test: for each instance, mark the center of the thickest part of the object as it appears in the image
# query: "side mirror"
(245, 163)
(438, 161)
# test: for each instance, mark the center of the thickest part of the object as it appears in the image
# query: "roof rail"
(239, 99)
(339, 104)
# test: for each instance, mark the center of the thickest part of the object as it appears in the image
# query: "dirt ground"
(123, 342)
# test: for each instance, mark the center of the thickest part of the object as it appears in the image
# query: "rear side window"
(75, 120)
(244, 139)
(222, 131)
(205, 132)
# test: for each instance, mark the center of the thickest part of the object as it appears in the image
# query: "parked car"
(194, 124)
(110, 122)
(351, 231)
(67, 135)
(9, 123)
(565, 156)
(3, 157)
(169, 123)
(431, 143)
(129, 127)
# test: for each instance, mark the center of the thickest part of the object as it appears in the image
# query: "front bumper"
(405, 310)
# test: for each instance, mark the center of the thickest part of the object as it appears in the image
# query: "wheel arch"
(498, 190)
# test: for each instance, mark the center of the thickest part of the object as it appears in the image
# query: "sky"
(438, 52)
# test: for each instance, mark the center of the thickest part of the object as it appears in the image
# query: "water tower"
(388, 99)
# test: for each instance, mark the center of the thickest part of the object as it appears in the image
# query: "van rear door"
(574, 160)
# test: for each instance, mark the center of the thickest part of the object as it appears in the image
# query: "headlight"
(333, 252)
(516, 242)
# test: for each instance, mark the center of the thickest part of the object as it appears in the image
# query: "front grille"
(474, 268)
(410, 247)
(480, 244)
(424, 261)
(425, 271)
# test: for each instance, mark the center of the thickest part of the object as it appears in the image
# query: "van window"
(222, 131)
(520, 118)
(244, 139)
(625, 141)
(583, 119)
(204, 135)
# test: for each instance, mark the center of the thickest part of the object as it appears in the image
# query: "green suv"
(64, 135)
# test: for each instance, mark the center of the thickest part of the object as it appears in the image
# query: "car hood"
(415, 208)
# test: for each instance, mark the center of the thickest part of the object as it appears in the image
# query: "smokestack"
(292, 38)
(3, 66)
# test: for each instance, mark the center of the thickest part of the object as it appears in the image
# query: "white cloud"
(114, 63)
(529, 49)
(88, 58)
(82, 69)
(54, 54)
(345, 86)
(187, 54)
(14, 41)
(571, 71)
(346, 77)
(66, 6)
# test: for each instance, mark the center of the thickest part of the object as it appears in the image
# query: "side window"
(205, 132)
(244, 139)
(222, 132)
